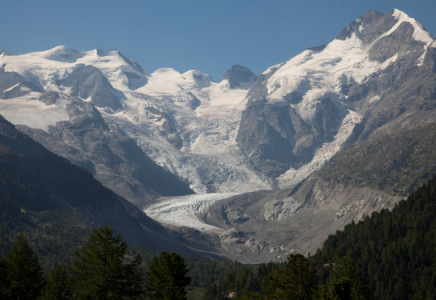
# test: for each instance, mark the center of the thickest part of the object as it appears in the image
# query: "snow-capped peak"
(165, 72)
(419, 34)
(45, 67)
(62, 54)
(360, 50)
(197, 78)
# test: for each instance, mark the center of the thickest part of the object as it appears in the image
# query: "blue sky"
(204, 35)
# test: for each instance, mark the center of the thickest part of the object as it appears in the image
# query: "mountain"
(278, 161)
(239, 76)
(40, 190)
(107, 152)
(297, 108)
(186, 123)
(357, 114)
(69, 126)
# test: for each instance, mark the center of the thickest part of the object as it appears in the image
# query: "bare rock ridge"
(87, 82)
(239, 76)
(13, 85)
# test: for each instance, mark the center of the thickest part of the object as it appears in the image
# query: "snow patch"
(11, 88)
(32, 113)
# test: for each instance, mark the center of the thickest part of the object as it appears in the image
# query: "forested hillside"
(394, 252)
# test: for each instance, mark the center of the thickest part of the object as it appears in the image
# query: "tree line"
(294, 279)
(100, 269)
(103, 269)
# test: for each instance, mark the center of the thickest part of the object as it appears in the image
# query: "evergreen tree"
(295, 279)
(166, 278)
(343, 284)
(23, 275)
(58, 286)
(345, 281)
(100, 272)
(2, 277)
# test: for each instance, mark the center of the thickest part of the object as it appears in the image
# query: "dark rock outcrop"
(239, 76)
(87, 82)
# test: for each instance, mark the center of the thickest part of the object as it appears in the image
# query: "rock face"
(275, 137)
(239, 76)
(13, 85)
(88, 81)
(296, 107)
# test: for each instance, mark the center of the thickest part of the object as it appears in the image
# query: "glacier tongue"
(182, 211)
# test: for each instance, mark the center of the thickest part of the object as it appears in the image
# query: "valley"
(250, 168)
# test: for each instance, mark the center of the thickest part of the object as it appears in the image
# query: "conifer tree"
(23, 275)
(58, 286)
(295, 279)
(166, 278)
(343, 283)
(100, 272)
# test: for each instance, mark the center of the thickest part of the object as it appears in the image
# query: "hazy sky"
(204, 35)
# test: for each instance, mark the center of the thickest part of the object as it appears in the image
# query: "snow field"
(32, 113)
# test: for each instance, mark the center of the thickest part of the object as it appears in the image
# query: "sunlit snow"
(32, 113)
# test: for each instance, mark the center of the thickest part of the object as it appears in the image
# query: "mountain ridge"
(375, 80)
